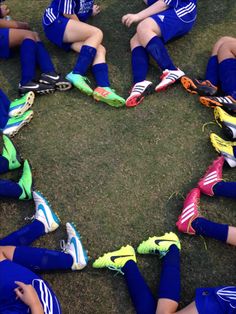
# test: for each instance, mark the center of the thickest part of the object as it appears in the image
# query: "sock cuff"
(28, 41)
(88, 50)
(152, 41)
(99, 67)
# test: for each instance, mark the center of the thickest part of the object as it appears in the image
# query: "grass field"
(121, 175)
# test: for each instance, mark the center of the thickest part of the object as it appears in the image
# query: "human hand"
(129, 19)
(27, 294)
(4, 10)
(22, 25)
(96, 9)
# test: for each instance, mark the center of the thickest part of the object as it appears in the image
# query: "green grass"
(121, 174)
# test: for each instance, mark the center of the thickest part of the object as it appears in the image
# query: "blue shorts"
(4, 43)
(55, 32)
(11, 272)
(216, 300)
(171, 26)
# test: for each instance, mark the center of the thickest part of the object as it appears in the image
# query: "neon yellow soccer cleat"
(155, 245)
(226, 122)
(117, 259)
(225, 148)
(80, 82)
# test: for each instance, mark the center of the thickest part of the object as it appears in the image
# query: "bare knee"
(36, 36)
(29, 35)
(146, 30)
(98, 34)
(220, 42)
(101, 50)
(134, 42)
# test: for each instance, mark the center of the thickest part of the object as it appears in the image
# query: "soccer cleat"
(57, 80)
(26, 182)
(10, 153)
(189, 212)
(168, 78)
(225, 148)
(200, 87)
(161, 245)
(19, 106)
(79, 82)
(75, 248)
(138, 92)
(212, 176)
(227, 101)
(37, 88)
(226, 122)
(117, 259)
(107, 95)
(16, 123)
(44, 212)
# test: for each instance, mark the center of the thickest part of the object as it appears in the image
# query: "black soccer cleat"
(37, 88)
(200, 87)
(58, 80)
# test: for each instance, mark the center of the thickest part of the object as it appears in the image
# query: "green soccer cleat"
(16, 123)
(117, 259)
(108, 95)
(10, 153)
(19, 106)
(26, 182)
(161, 245)
(79, 82)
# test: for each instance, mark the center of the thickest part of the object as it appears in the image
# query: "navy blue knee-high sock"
(43, 58)
(212, 70)
(39, 259)
(225, 189)
(4, 109)
(85, 59)
(4, 164)
(140, 64)
(28, 60)
(25, 235)
(10, 189)
(228, 76)
(169, 287)
(210, 229)
(142, 298)
(158, 51)
(100, 72)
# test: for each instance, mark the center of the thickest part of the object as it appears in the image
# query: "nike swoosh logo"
(113, 258)
(32, 86)
(159, 241)
(53, 77)
(41, 207)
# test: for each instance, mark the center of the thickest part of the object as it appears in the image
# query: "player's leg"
(140, 64)
(27, 41)
(124, 261)
(38, 259)
(91, 37)
(103, 91)
(151, 37)
(227, 68)
(45, 221)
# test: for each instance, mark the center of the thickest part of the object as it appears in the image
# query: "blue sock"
(28, 60)
(212, 70)
(158, 51)
(210, 229)
(26, 235)
(4, 109)
(140, 64)
(169, 287)
(225, 189)
(228, 76)
(4, 164)
(38, 259)
(142, 298)
(10, 189)
(44, 59)
(86, 57)
(100, 72)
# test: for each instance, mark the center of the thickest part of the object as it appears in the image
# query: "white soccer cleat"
(138, 92)
(44, 212)
(75, 248)
(168, 78)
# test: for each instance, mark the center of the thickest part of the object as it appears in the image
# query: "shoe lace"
(29, 218)
(118, 270)
(86, 79)
(63, 246)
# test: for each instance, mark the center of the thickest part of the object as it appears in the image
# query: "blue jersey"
(185, 10)
(81, 8)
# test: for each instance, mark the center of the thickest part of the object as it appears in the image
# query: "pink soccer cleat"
(189, 212)
(212, 176)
